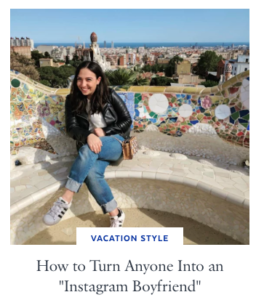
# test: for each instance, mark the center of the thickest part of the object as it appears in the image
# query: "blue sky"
(131, 25)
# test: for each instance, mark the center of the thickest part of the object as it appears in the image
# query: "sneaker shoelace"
(57, 208)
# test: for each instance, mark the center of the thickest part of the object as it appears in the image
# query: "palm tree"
(121, 77)
(138, 68)
(141, 81)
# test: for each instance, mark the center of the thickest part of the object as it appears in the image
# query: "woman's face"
(87, 82)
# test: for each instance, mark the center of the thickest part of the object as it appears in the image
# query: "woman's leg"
(111, 150)
(99, 188)
(101, 192)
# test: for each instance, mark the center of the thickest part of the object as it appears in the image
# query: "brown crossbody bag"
(130, 147)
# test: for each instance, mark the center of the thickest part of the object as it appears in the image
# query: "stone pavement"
(30, 183)
(194, 233)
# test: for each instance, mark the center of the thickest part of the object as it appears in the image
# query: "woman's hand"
(99, 132)
(94, 143)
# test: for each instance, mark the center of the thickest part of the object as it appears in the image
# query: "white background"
(19, 263)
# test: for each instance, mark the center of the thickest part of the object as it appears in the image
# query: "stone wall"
(223, 216)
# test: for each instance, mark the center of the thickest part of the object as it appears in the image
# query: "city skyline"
(131, 25)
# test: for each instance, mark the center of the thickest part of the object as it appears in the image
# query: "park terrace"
(193, 144)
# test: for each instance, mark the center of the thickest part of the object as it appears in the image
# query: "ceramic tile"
(27, 102)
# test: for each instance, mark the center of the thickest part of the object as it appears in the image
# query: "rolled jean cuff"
(109, 206)
(73, 185)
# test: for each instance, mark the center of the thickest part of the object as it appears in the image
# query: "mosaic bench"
(37, 112)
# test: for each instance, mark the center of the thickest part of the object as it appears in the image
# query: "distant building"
(112, 44)
(188, 79)
(105, 44)
(182, 55)
(161, 74)
(141, 49)
(246, 52)
(93, 53)
(193, 58)
(230, 54)
(22, 50)
(48, 62)
(70, 52)
(163, 61)
(225, 55)
(22, 42)
(45, 48)
(82, 52)
(22, 46)
(236, 53)
(130, 58)
(57, 53)
(241, 64)
(122, 60)
(183, 67)
(112, 59)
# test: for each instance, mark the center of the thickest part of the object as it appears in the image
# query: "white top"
(95, 120)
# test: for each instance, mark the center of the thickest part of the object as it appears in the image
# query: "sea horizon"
(150, 45)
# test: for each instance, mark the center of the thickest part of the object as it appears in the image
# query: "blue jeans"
(89, 167)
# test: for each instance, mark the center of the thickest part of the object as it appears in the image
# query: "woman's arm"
(124, 120)
(72, 127)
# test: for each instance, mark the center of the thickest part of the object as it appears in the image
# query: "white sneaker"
(57, 211)
(117, 221)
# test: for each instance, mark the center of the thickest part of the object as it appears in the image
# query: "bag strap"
(117, 140)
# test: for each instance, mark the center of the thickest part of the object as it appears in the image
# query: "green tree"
(157, 68)
(208, 62)
(146, 68)
(154, 69)
(75, 57)
(46, 73)
(74, 63)
(141, 81)
(160, 81)
(47, 55)
(57, 77)
(45, 82)
(24, 65)
(170, 69)
(36, 56)
(137, 68)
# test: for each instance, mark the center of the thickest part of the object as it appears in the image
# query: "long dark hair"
(99, 98)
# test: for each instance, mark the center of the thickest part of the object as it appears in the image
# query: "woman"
(97, 118)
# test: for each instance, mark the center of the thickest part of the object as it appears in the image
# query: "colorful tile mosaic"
(174, 112)
(226, 111)
(27, 104)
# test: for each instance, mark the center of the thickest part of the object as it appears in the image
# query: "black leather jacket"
(115, 114)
